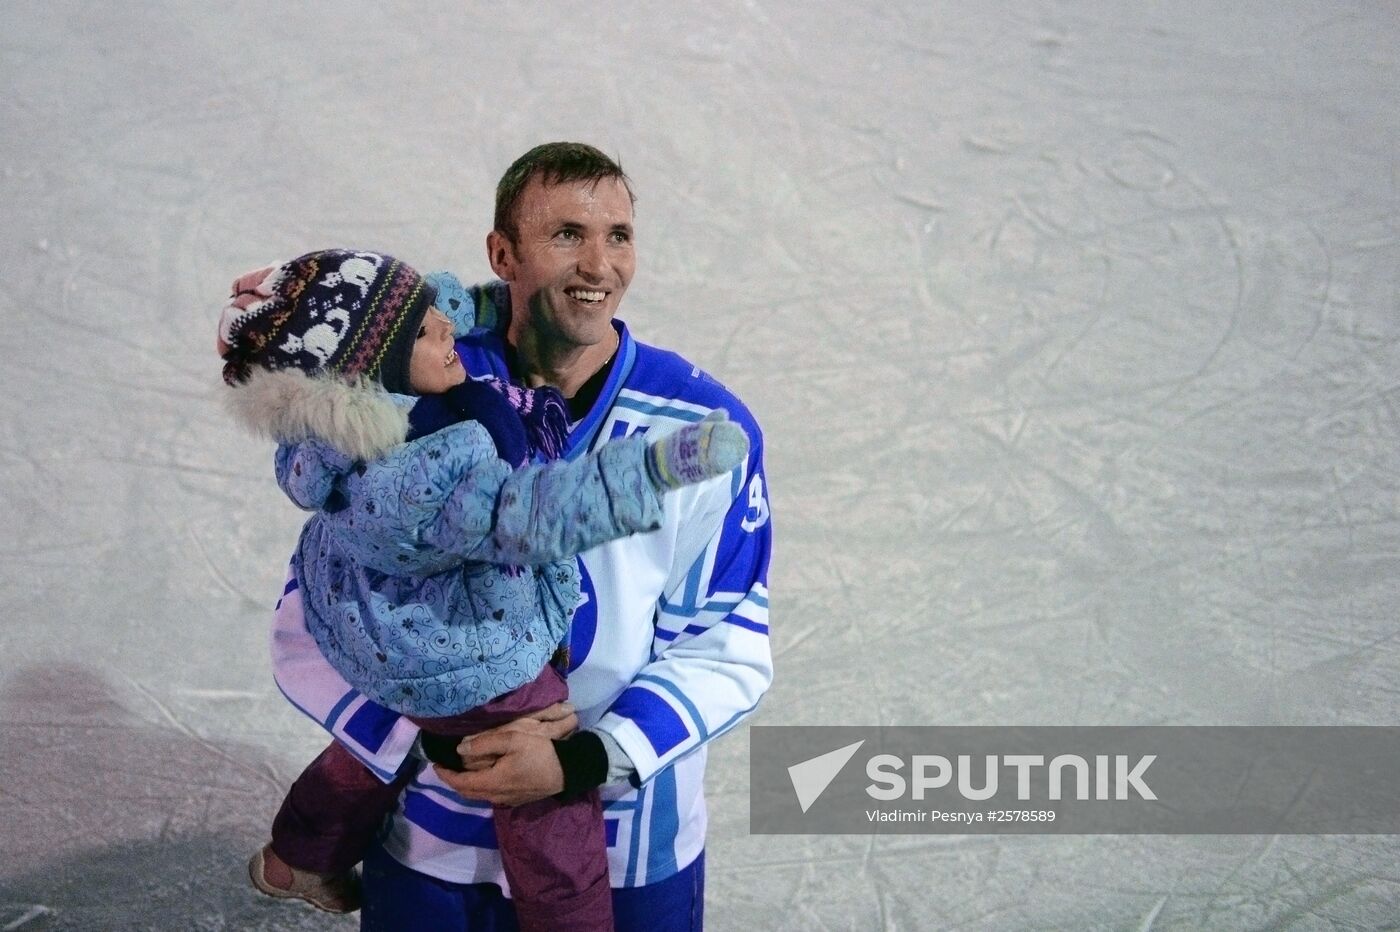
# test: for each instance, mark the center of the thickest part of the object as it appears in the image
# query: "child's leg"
(332, 813)
(554, 853)
(556, 859)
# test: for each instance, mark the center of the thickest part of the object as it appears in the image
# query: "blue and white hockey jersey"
(669, 649)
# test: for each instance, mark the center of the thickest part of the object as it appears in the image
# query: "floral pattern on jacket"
(435, 577)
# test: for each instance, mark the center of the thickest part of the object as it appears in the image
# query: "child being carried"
(437, 572)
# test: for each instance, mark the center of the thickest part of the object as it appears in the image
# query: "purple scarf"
(543, 413)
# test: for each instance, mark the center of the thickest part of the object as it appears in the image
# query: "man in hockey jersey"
(670, 648)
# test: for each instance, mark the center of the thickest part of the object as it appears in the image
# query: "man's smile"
(586, 295)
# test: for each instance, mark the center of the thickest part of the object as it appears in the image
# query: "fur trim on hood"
(359, 419)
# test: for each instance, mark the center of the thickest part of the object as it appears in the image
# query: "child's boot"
(335, 893)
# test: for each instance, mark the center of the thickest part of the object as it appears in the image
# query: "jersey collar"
(586, 429)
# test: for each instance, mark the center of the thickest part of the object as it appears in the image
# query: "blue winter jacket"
(434, 576)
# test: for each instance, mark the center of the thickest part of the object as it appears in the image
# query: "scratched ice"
(1073, 329)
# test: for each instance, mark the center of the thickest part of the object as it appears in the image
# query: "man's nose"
(592, 261)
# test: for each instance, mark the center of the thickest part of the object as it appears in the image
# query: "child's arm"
(307, 472)
(446, 499)
(468, 308)
(558, 510)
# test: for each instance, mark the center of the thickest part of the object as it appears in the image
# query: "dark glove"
(584, 761)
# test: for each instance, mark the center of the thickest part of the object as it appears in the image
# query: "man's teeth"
(590, 296)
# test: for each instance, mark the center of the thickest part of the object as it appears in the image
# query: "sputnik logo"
(811, 777)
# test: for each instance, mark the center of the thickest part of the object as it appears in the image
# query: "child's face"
(434, 366)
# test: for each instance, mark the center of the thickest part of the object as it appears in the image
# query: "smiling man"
(670, 647)
(566, 250)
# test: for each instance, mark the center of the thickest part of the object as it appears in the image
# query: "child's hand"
(697, 452)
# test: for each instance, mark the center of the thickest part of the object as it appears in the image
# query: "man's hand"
(509, 765)
(555, 721)
(514, 763)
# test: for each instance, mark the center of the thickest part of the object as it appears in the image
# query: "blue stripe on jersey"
(581, 437)
(680, 697)
(659, 722)
(610, 832)
(339, 709)
(661, 842)
(646, 407)
(459, 828)
(737, 621)
(370, 725)
(690, 596)
(663, 635)
(625, 428)
(291, 587)
(692, 582)
(735, 717)
(379, 772)
(421, 787)
(691, 610)
(636, 840)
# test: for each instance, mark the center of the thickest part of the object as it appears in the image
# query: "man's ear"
(501, 254)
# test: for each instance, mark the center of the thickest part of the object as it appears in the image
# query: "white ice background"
(1074, 328)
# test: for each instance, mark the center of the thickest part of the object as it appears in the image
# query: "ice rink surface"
(1074, 329)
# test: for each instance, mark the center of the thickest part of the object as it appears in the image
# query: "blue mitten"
(453, 300)
(697, 452)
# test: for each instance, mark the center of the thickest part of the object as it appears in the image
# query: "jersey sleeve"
(380, 738)
(712, 661)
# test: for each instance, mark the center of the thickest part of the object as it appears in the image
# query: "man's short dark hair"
(552, 163)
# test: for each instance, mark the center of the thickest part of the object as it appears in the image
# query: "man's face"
(572, 260)
(435, 366)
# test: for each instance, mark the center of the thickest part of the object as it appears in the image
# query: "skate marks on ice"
(1084, 882)
(1116, 390)
(113, 813)
(1071, 327)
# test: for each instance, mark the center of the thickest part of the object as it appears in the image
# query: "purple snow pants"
(554, 853)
